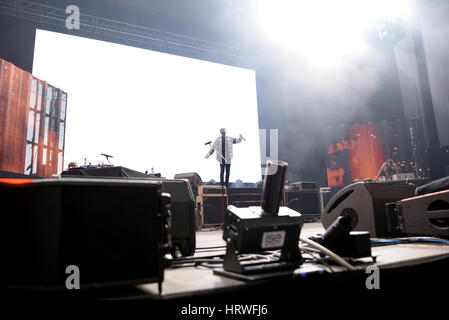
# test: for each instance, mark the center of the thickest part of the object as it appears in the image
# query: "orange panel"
(367, 156)
(22, 115)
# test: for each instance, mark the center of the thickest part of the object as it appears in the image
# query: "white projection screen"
(150, 109)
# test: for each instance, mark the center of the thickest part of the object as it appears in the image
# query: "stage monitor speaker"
(305, 202)
(364, 204)
(434, 186)
(183, 215)
(113, 231)
(182, 197)
(193, 177)
(426, 215)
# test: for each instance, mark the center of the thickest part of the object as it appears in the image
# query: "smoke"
(333, 94)
(435, 32)
(313, 96)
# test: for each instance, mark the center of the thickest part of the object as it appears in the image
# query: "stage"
(167, 126)
(401, 266)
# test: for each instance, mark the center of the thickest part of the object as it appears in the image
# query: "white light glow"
(150, 109)
(324, 30)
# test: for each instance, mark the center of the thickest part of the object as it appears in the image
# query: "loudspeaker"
(364, 204)
(305, 202)
(182, 198)
(434, 186)
(212, 208)
(183, 215)
(193, 177)
(426, 215)
(244, 197)
(113, 231)
(326, 194)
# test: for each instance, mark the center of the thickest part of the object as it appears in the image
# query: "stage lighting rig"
(340, 239)
(267, 227)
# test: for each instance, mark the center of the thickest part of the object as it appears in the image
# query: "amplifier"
(305, 202)
(404, 176)
(212, 208)
(245, 191)
(326, 194)
(244, 197)
(303, 185)
(112, 230)
(209, 189)
(426, 215)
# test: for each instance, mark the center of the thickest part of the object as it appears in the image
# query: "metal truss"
(49, 17)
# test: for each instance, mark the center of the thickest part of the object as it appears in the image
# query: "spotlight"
(263, 228)
(273, 186)
(340, 238)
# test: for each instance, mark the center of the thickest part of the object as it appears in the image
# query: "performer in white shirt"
(223, 148)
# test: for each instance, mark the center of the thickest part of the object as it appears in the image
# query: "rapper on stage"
(223, 148)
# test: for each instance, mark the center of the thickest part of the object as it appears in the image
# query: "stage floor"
(191, 280)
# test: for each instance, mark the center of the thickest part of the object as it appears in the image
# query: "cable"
(318, 259)
(408, 240)
(216, 259)
(213, 247)
(332, 255)
(197, 260)
(437, 240)
(210, 250)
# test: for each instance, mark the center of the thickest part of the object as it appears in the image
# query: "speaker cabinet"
(212, 189)
(182, 199)
(193, 178)
(244, 197)
(305, 202)
(112, 230)
(183, 215)
(212, 208)
(364, 204)
(426, 215)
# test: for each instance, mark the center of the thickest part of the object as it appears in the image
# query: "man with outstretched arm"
(223, 146)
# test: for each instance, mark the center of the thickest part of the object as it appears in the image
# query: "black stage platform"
(404, 269)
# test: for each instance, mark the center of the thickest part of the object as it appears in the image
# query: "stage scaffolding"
(53, 18)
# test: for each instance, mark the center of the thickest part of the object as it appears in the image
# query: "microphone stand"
(107, 156)
(217, 152)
